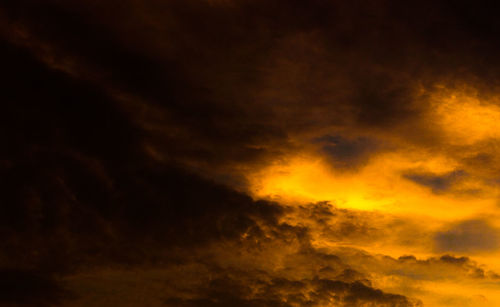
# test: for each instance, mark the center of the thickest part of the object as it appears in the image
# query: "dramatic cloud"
(347, 153)
(438, 183)
(468, 236)
(254, 153)
(280, 292)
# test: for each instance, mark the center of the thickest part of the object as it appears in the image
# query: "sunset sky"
(240, 153)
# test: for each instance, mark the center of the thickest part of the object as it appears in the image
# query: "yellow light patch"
(379, 186)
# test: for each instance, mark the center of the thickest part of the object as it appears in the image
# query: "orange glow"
(465, 118)
(379, 186)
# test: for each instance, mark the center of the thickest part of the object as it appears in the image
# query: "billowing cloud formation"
(471, 235)
(255, 153)
(228, 293)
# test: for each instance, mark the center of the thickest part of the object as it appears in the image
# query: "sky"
(228, 153)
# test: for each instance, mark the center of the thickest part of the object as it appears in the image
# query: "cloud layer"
(254, 153)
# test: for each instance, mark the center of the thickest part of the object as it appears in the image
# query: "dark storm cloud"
(93, 53)
(75, 178)
(438, 183)
(347, 153)
(225, 291)
(468, 236)
(334, 283)
(236, 64)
